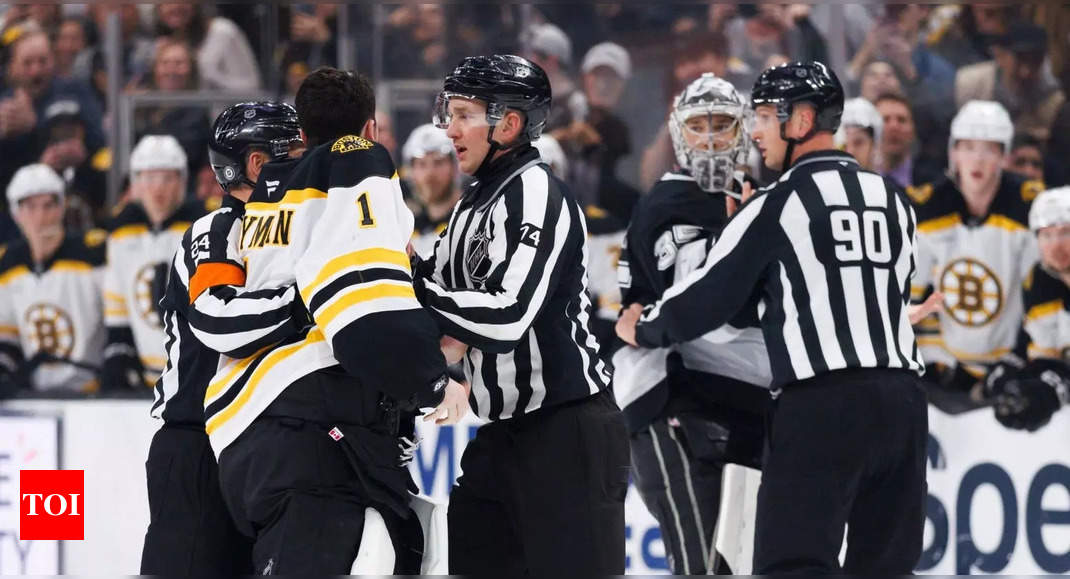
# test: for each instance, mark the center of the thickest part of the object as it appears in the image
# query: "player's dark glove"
(1029, 404)
(953, 378)
(1002, 373)
(122, 371)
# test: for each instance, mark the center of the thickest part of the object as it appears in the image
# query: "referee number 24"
(853, 238)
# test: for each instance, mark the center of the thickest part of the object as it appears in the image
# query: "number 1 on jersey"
(366, 218)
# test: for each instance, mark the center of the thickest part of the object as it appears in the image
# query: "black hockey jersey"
(207, 270)
(673, 229)
(1047, 316)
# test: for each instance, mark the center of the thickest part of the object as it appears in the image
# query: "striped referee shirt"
(509, 278)
(829, 250)
(206, 271)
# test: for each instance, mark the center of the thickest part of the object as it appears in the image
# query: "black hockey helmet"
(801, 82)
(267, 126)
(503, 81)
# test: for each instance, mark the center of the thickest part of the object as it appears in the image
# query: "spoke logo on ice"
(52, 504)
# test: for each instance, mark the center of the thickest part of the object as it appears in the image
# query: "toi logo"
(51, 505)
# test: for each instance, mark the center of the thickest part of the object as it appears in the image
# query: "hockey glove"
(1030, 403)
(122, 371)
(1006, 370)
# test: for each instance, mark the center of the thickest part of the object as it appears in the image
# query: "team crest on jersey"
(51, 330)
(972, 292)
(350, 143)
(921, 193)
(477, 258)
(1030, 190)
(148, 285)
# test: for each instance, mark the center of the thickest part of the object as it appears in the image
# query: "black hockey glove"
(122, 371)
(1007, 369)
(1029, 404)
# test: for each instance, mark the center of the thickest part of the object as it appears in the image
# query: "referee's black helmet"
(801, 82)
(503, 81)
(266, 126)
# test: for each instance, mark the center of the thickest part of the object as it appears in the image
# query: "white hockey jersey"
(979, 265)
(335, 223)
(54, 308)
(1047, 318)
(136, 274)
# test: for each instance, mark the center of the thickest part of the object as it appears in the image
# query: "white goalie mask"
(709, 129)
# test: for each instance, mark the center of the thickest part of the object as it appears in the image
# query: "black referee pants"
(543, 494)
(190, 531)
(846, 447)
(679, 462)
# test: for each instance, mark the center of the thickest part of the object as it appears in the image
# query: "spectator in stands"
(927, 79)
(83, 168)
(693, 54)
(311, 43)
(1026, 157)
(175, 70)
(416, 37)
(762, 32)
(548, 47)
(137, 51)
(1058, 146)
(72, 42)
(32, 87)
(900, 161)
(384, 127)
(605, 71)
(879, 78)
(44, 14)
(1017, 79)
(224, 58)
(965, 33)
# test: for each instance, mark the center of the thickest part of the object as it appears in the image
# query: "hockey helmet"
(712, 165)
(981, 121)
(36, 179)
(423, 140)
(858, 112)
(267, 126)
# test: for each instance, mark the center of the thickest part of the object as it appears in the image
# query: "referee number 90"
(855, 240)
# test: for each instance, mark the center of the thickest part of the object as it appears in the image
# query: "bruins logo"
(147, 294)
(350, 143)
(972, 292)
(51, 330)
(920, 194)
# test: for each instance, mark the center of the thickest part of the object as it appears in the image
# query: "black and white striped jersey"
(672, 230)
(829, 248)
(206, 271)
(509, 278)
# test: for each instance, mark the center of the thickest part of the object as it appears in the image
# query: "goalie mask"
(708, 126)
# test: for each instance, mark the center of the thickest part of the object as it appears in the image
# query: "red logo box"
(51, 505)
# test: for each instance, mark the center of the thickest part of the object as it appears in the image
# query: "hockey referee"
(544, 482)
(828, 249)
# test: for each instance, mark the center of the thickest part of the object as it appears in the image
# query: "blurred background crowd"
(83, 83)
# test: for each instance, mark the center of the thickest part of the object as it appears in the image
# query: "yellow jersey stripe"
(354, 259)
(939, 223)
(364, 294)
(1038, 352)
(215, 386)
(13, 273)
(1004, 222)
(1045, 309)
(9, 330)
(70, 265)
(179, 226)
(292, 197)
(114, 297)
(115, 312)
(247, 391)
(128, 231)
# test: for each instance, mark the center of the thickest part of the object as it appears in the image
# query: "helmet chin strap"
(495, 146)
